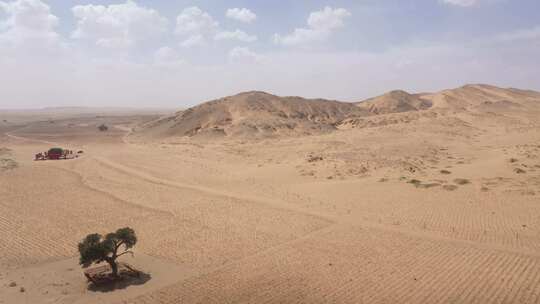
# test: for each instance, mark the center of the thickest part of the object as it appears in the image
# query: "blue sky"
(179, 53)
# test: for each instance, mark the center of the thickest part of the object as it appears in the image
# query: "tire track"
(268, 202)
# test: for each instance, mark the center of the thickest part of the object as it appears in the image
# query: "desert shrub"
(450, 187)
(314, 158)
(462, 181)
(427, 186)
(103, 128)
(415, 182)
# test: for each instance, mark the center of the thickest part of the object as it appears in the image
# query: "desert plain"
(255, 198)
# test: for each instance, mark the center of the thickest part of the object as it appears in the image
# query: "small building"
(55, 153)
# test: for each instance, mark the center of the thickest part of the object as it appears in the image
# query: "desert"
(269, 152)
(256, 198)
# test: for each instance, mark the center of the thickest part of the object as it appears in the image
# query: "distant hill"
(259, 114)
(477, 95)
(255, 114)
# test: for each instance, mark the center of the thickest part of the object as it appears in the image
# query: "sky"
(178, 53)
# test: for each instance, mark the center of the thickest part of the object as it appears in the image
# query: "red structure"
(55, 154)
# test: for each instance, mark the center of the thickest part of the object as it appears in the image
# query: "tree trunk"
(114, 268)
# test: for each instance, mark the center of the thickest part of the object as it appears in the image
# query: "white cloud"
(235, 35)
(195, 24)
(463, 3)
(28, 23)
(244, 55)
(328, 19)
(241, 14)
(193, 20)
(321, 24)
(117, 25)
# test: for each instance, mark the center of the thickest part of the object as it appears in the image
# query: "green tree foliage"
(95, 248)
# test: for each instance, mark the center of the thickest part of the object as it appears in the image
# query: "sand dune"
(475, 95)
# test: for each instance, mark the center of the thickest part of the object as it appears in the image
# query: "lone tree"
(96, 248)
(103, 128)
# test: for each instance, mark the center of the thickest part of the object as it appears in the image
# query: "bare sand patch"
(63, 282)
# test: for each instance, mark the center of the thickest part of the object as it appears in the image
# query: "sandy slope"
(434, 206)
(253, 114)
(395, 102)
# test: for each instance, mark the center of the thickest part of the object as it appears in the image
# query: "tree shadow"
(125, 280)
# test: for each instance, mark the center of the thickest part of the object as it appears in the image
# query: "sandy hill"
(472, 96)
(395, 102)
(481, 95)
(259, 114)
(254, 114)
